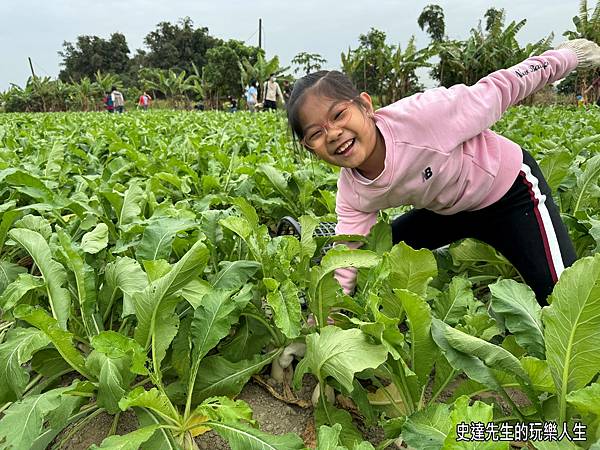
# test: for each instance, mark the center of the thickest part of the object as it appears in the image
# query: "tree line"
(182, 63)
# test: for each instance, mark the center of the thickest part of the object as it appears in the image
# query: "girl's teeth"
(345, 146)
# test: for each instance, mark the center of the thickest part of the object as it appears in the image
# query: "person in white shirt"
(118, 100)
(271, 91)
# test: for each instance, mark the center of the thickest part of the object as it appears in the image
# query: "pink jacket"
(440, 154)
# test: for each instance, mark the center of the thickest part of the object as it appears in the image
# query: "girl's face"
(349, 145)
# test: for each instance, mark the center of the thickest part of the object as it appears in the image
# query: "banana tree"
(260, 70)
(106, 81)
(85, 91)
(587, 26)
(168, 82)
(404, 64)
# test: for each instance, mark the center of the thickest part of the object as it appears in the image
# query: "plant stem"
(115, 423)
(71, 419)
(391, 399)
(6, 405)
(279, 341)
(182, 313)
(6, 325)
(34, 382)
(141, 383)
(109, 306)
(176, 417)
(157, 379)
(443, 386)
(385, 444)
(48, 381)
(410, 404)
(76, 428)
(125, 320)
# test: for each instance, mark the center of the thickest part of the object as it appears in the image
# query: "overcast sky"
(37, 28)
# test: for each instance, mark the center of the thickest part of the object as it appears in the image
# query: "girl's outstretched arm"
(448, 117)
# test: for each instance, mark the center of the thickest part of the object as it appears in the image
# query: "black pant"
(270, 104)
(524, 225)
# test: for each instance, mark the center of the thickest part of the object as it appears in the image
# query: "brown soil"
(97, 430)
(273, 415)
(276, 416)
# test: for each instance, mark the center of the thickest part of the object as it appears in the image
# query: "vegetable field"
(140, 273)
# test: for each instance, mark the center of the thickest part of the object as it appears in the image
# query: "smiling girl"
(434, 151)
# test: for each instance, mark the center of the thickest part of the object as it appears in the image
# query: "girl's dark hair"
(327, 83)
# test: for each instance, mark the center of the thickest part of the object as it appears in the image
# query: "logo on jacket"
(427, 174)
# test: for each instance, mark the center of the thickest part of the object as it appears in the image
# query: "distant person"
(108, 103)
(287, 91)
(251, 97)
(118, 100)
(596, 88)
(232, 104)
(144, 101)
(271, 91)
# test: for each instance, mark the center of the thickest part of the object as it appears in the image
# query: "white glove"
(588, 52)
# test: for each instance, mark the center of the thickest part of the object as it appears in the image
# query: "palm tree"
(353, 63)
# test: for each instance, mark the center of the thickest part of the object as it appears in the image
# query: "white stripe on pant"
(546, 222)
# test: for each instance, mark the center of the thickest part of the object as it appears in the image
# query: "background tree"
(173, 85)
(85, 93)
(368, 61)
(431, 20)
(199, 87)
(92, 53)
(402, 80)
(587, 23)
(40, 94)
(484, 51)
(587, 26)
(177, 46)
(494, 18)
(308, 62)
(222, 72)
(384, 71)
(105, 81)
(260, 70)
